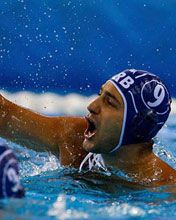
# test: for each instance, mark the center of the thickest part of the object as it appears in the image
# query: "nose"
(94, 107)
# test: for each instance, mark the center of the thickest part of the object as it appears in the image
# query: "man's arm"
(39, 132)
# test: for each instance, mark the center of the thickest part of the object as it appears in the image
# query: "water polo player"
(131, 108)
(9, 176)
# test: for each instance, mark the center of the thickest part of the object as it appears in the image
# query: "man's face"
(104, 121)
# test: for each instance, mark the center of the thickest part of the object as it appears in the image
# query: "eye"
(110, 101)
(99, 94)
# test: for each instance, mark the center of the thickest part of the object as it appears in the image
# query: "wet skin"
(71, 138)
(106, 112)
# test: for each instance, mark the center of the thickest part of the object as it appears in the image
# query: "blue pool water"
(55, 192)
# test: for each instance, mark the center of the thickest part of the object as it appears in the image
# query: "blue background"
(74, 46)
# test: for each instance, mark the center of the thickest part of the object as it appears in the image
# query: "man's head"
(132, 107)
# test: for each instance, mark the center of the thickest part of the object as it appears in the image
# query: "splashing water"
(55, 192)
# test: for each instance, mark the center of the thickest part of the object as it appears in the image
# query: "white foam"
(51, 103)
(60, 211)
(54, 104)
(173, 107)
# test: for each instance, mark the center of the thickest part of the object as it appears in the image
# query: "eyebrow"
(109, 94)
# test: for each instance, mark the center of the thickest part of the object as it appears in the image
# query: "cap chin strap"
(124, 118)
(94, 161)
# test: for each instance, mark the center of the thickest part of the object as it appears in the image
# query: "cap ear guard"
(143, 124)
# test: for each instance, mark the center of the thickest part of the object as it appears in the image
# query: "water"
(77, 45)
(55, 192)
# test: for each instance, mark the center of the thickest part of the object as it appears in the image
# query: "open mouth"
(91, 129)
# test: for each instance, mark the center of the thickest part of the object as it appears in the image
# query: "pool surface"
(55, 192)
